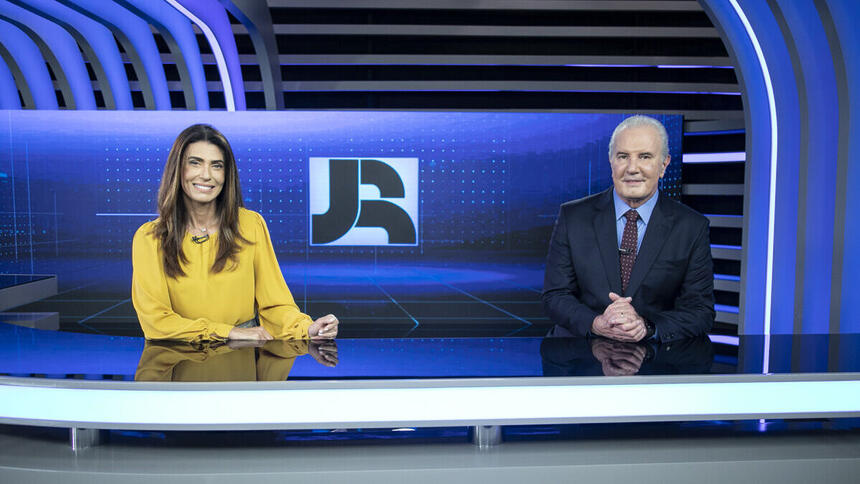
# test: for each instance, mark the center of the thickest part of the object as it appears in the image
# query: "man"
(629, 263)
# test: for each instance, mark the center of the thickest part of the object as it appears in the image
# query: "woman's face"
(203, 172)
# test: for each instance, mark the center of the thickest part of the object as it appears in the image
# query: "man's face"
(636, 164)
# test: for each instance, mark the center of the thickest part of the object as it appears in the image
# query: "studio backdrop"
(456, 197)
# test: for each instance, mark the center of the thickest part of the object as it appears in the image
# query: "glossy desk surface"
(26, 352)
(96, 381)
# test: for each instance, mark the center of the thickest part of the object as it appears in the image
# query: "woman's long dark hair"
(171, 225)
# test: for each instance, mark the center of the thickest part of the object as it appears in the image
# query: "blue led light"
(713, 133)
(738, 156)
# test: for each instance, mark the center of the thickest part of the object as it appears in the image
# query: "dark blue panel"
(490, 184)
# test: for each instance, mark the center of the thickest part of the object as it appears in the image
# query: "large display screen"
(363, 207)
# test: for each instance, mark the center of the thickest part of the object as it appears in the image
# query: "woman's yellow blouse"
(203, 305)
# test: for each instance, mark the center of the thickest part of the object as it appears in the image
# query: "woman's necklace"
(199, 239)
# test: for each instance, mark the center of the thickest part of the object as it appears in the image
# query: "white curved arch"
(771, 101)
(216, 49)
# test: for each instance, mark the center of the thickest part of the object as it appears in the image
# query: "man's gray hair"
(639, 121)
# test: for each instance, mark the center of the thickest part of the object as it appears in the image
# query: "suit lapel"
(655, 234)
(607, 240)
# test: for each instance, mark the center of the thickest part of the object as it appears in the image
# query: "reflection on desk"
(31, 353)
(564, 355)
(231, 361)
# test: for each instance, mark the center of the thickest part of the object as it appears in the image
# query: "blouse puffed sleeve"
(151, 298)
(277, 309)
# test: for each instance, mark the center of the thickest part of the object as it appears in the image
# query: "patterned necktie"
(627, 253)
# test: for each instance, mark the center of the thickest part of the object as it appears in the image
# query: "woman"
(206, 267)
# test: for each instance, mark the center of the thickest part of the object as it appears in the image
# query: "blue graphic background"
(74, 186)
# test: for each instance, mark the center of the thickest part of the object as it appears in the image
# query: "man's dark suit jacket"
(672, 283)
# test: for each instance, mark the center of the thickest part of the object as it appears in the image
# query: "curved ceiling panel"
(395, 54)
(216, 27)
(98, 45)
(33, 69)
(61, 52)
(25, 96)
(793, 59)
(843, 30)
(136, 38)
(179, 36)
(8, 91)
(817, 156)
(257, 19)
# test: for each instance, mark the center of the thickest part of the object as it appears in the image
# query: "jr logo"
(362, 201)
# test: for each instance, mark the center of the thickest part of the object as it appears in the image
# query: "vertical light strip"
(216, 49)
(771, 101)
(29, 206)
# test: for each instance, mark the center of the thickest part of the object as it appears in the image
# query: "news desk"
(91, 383)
